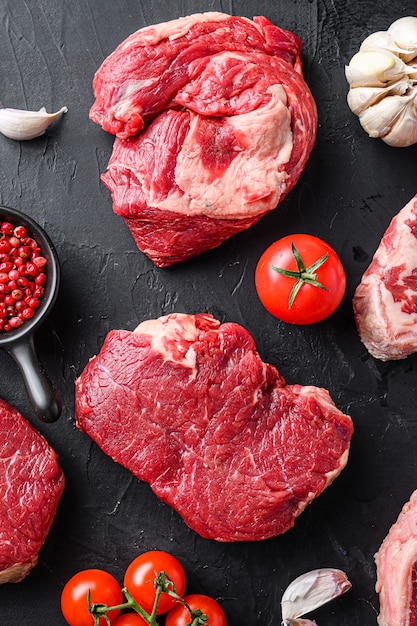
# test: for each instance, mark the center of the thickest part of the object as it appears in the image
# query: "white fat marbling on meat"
(255, 177)
(395, 561)
(124, 97)
(385, 313)
(172, 337)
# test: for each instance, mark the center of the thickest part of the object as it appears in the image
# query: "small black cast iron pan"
(19, 342)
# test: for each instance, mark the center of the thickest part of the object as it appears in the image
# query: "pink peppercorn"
(22, 276)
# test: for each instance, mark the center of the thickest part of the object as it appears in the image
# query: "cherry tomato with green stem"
(103, 589)
(180, 615)
(300, 279)
(140, 576)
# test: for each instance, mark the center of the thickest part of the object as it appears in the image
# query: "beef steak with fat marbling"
(385, 301)
(31, 484)
(396, 562)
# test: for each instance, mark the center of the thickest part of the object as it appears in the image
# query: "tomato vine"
(94, 597)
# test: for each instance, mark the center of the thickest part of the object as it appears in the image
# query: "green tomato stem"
(303, 275)
(162, 585)
(101, 610)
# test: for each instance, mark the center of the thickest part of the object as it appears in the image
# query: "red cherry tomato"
(104, 589)
(130, 619)
(180, 616)
(140, 575)
(316, 284)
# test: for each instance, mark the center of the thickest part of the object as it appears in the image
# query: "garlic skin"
(309, 592)
(299, 622)
(374, 68)
(404, 33)
(382, 79)
(22, 125)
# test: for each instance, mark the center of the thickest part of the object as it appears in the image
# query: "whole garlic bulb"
(382, 77)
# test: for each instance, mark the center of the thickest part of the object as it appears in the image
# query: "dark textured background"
(351, 188)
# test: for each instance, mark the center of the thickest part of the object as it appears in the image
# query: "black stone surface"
(351, 188)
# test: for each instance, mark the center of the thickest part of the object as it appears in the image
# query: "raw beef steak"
(385, 302)
(396, 562)
(214, 125)
(31, 484)
(188, 406)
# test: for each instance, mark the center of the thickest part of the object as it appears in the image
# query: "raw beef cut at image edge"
(31, 485)
(187, 405)
(396, 562)
(214, 125)
(385, 302)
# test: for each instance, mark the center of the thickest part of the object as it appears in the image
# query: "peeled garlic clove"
(404, 33)
(310, 591)
(378, 120)
(21, 125)
(374, 68)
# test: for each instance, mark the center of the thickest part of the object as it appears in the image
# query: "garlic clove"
(310, 591)
(403, 132)
(385, 40)
(299, 622)
(21, 125)
(404, 33)
(361, 98)
(374, 68)
(379, 119)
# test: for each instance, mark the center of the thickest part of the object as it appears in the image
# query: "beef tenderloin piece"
(187, 405)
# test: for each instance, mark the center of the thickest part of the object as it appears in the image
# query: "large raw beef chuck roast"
(187, 405)
(214, 125)
(31, 484)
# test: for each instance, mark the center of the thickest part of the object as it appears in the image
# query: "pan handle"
(43, 397)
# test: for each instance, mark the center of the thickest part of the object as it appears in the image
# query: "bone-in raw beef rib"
(31, 484)
(214, 125)
(396, 562)
(188, 406)
(385, 302)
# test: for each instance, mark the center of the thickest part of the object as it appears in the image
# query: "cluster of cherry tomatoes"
(95, 586)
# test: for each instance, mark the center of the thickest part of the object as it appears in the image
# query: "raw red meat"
(396, 562)
(31, 484)
(188, 406)
(214, 125)
(385, 302)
